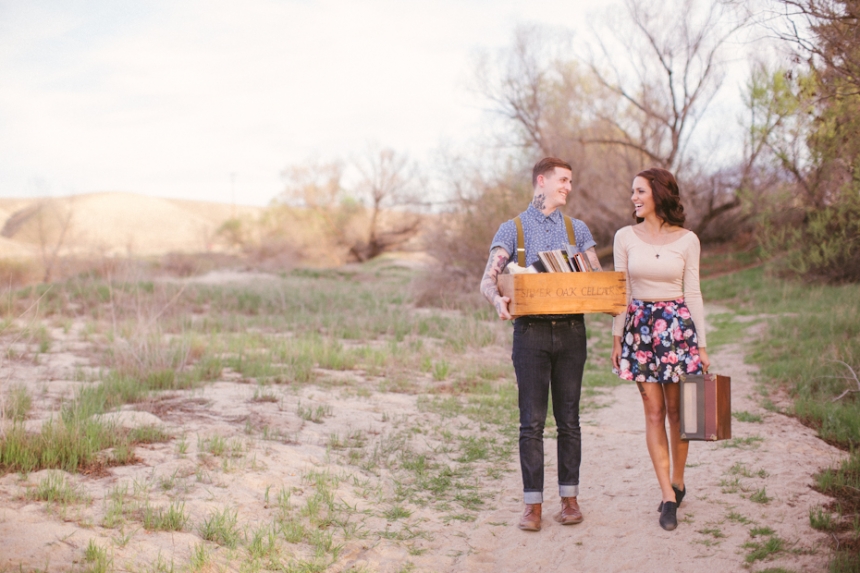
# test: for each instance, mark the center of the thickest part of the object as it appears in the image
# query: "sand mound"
(130, 419)
(115, 223)
(16, 250)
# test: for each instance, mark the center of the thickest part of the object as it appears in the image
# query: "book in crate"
(564, 293)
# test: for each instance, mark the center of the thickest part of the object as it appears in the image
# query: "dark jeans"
(549, 355)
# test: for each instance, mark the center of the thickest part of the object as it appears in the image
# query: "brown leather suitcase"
(706, 407)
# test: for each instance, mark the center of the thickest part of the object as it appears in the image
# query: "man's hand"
(501, 304)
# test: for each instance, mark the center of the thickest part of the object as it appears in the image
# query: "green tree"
(816, 140)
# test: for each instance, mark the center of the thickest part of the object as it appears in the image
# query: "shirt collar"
(535, 213)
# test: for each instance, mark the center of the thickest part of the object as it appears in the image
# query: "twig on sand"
(850, 390)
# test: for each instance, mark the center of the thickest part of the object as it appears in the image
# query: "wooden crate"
(706, 407)
(564, 293)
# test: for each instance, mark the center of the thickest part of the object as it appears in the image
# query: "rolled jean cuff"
(531, 497)
(568, 490)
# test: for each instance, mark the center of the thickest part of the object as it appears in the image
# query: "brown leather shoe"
(530, 521)
(569, 513)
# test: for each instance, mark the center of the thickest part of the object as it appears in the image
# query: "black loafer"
(668, 518)
(679, 496)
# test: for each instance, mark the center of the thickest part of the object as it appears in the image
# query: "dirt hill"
(113, 223)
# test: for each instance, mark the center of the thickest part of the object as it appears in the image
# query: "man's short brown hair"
(548, 165)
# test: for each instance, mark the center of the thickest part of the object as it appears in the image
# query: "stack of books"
(565, 261)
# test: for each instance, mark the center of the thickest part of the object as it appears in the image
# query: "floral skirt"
(659, 343)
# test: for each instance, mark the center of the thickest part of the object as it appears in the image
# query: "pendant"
(658, 256)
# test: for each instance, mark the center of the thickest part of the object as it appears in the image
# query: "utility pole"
(233, 195)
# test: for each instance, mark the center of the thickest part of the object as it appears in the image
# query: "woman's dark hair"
(667, 196)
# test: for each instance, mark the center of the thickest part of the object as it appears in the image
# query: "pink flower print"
(693, 365)
(640, 378)
(684, 312)
(637, 340)
(688, 333)
(660, 326)
(642, 356)
(671, 358)
(678, 335)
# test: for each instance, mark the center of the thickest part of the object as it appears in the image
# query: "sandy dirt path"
(619, 497)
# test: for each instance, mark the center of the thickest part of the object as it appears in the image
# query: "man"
(549, 350)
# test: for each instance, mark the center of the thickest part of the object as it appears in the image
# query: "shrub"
(822, 244)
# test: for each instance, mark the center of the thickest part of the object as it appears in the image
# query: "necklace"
(660, 246)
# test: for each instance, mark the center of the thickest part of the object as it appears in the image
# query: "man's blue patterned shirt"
(542, 233)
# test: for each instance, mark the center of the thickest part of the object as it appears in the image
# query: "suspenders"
(521, 239)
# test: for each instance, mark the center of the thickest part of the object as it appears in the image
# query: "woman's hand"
(616, 352)
(706, 361)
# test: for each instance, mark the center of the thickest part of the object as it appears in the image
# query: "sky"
(212, 100)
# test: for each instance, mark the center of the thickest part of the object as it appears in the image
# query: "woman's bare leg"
(679, 447)
(655, 435)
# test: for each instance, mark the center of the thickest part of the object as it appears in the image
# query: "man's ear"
(540, 180)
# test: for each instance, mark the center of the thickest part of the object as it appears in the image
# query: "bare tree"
(377, 213)
(48, 224)
(53, 223)
(316, 185)
(825, 33)
(390, 182)
(548, 101)
(672, 73)
(635, 102)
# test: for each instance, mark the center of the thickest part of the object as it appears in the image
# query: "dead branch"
(850, 390)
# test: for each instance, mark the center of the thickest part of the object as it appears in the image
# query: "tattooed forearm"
(592, 258)
(539, 202)
(495, 265)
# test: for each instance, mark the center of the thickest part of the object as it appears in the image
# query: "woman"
(661, 338)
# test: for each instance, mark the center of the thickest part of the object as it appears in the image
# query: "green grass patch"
(749, 442)
(744, 416)
(170, 518)
(804, 345)
(18, 403)
(742, 469)
(738, 518)
(714, 532)
(723, 329)
(55, 488)
(96, 559)
(809, 348)
(821, 520)
(71, 445)
(221, 527)
(764, 549)
(760, 496)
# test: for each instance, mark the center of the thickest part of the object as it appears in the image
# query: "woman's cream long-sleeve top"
(675, 273)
